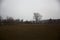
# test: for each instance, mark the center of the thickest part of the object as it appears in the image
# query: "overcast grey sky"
(24, 9)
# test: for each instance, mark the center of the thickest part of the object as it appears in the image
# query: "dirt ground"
(30, 32)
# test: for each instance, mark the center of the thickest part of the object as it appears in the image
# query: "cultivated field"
(30, 32)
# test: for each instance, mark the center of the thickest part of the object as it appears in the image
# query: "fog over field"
(24, 9)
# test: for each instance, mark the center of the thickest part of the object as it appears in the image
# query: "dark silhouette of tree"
(10, 20)
(17, 21)
(21, 21)
(50, 21)
(0, 20)
(28, 22)
(37, 17)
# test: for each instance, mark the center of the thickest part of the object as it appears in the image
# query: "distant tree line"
(10, 20)
(37, 17)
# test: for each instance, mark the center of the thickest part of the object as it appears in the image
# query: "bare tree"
(37, 17)
(0, 18)
(10, 20)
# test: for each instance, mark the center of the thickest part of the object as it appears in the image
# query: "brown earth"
(30, 32)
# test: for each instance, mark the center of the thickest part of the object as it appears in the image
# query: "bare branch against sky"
(24, 9)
